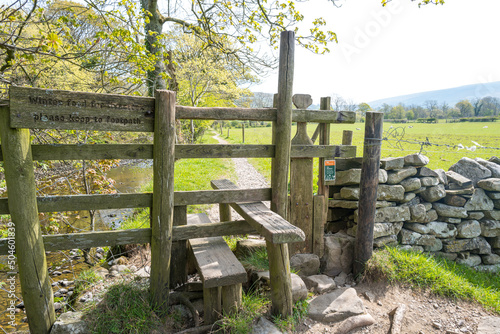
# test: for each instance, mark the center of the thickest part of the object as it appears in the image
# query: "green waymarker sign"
(329, 170)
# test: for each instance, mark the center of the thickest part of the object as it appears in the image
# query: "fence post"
(301, 184)
(347, 137)
(178, 267)
(20, 177)
(243, 132)
(368, 190)
(163, 197)
(279, 263)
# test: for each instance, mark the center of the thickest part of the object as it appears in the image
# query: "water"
(129, 179)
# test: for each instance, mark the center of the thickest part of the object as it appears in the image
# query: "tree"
(465, 107)
(432, 107)
(491, 106)
(410, 114)
(397, 112)
(477, 105)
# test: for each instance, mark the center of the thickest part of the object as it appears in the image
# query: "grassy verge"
(440, 276)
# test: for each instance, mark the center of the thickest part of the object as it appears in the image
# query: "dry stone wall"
(454, 214)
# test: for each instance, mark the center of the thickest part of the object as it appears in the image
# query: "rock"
(475, 215)
(471, 169)
(491, 259)
(496, 204)
(341, 279)
(434, 193)
(122, 260)
(143, 272)
(353, 176)
(489, 325)
(417, 213)
(429, 181)
(392, 163)
(495, 160)
(430, 243)
(299, 289)
(56, 273)
(419, 190)
(398, 175)
(472, 260)
(355, 322)
(411, 184)
(465, 191)
(479, 201)
(493, 167)
(100, 271)
(416, 159)
(412, 248)
(70, 322)
(451, 220)
(336, 306)
(305, 264)
(390, 214)
(491, 184)
(458, 180)
(495, 268)
(320, 283)
(407, 237)
(248, 246)
(468, 229)
(394, 193)
(448, 256)
(493, 214)
(419, 228)
(441, 175)
(408, 197)
(427, 205)
(66, 283)
(493, 195)
(338, 255)
(477, 245)
(120, 268)
(490, 228)
(385, 229)
(449, 211)
(354, 204)
(369, 296)
(390, 240)
(424, 171)
(455, 200)
(431, 216)
(494, 242)
(264, 326)
(349, 193)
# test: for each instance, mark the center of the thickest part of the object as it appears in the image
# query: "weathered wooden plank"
(163, 198)
(136, 236)
(58, 109)
(178, 268)
(145, 151)
(212, 306)
(28, 243)
(217, 113)
(267, 223)
(216, 263)
(324, 116)
(319, 221)
(348, 163)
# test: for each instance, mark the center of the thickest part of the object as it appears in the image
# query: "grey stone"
(398, 175)
(416, 159)
(495, 268)
(448, 256)
(120, 268)
(449, 211)
(428, 206)
(408, 197)
(411, 184)
(495, 160)
(419, 228)
(491, 259)
(353, 176)
(338, 255)
(390, 193)
(493, 195)
(429, 181)
(493, 167)
(450, 220)
(417, 213)
(493, 214)
(441, 175)
(494, 242)
(412, 248)
(345, 204)
(477, 245)
(70, 322)
(341, 279)
(247, 246)
(320, 283)
(407, 237)
(394, 214)
(490, 228)
(386, 229)
(392, 163)
(491, 184)
(349, 193)
(434, 193)
(496, 204)
(336, 306)
(472, 260)
(475, 215)
(455, 200)
(419, 190)
(305, 264)
(264, 326)
(430, 216)
(299, 289)
(430, 243)
(468, 229)
(390, 240)
(424, 171)
(479, 201)
(471, 169)
(489, 325)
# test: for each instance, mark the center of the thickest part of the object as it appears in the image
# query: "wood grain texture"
(324, 116)
(318, 230)
(267, 223)
(216, 263)
(212, 305)
(178, 268)
(231, 298)
(36, 287)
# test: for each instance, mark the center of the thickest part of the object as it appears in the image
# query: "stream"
(129, 177)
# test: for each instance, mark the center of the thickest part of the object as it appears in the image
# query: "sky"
(398, 49)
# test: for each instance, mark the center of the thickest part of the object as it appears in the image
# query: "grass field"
(451, 134)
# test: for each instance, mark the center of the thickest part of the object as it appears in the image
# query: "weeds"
(253, 306)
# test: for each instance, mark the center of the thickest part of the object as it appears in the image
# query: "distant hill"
(450, 95)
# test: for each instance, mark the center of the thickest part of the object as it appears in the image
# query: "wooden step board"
(216, 263)
(267, 223)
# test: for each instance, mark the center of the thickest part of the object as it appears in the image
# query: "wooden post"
(301, 184)
(243, 132)
(279, 263)
(323, 190)
(212, 306)
(368, 190)
(225, 212)
(19, 175)
(178, 268)
(163, 197)
(347, 137)
(231, 298)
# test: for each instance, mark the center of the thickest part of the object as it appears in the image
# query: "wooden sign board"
(329, 170)
(36, 108)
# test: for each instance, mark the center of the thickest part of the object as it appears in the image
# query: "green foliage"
(256, 261)
(465, 107)
(253, 306)
(85, 280)
(440, 276)
(289, 323)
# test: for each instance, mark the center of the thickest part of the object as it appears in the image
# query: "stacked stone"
(454, 214)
